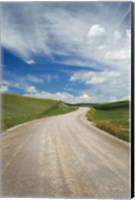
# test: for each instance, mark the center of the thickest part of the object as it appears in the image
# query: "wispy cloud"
(94, 77)
(88, 34)
(105, 85)
(34, 79)
(30, 29)
(49, 78)
(24, 82)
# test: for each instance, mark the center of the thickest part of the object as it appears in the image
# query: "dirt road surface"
(64, 156)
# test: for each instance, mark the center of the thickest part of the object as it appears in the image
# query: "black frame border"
(132, 97)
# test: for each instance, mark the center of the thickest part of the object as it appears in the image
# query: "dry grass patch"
(113, 119)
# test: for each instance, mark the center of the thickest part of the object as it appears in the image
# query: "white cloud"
(63, 96)
(104, 86)
(83, 38)
(47, 29)
(128, 33)
(117, 35)
(30, 61)
(101, 47)
(31, 90)
(94, 77)
(84, 97)
(128, 97)
(4, 88)
(96, 31)
(121, 54)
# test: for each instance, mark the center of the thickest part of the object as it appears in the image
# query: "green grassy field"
(19, 109)
(111, 117)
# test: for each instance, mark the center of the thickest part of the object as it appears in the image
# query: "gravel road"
(64, 156)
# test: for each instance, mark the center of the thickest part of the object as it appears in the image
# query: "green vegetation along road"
(111, 117)
(19, 109)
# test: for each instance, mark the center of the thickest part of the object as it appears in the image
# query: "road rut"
(64, 156)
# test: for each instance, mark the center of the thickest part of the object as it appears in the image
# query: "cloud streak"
(74, 35)
(30, 29)
(94, 77)
(25, 82)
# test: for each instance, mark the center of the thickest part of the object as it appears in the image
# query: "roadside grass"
(18, 109)
(111, 117)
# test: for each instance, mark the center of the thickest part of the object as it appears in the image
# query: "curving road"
(64, 156)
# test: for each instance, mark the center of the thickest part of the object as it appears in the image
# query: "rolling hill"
(111, 117)
(19, 109)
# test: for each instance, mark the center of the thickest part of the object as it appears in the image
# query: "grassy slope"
(112, 117)
(18, 109)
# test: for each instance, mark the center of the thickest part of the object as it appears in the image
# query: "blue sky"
(74, 52)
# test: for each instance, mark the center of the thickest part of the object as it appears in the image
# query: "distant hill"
(105, 106)
(111, 117)
(19, 109)
(113, 105)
